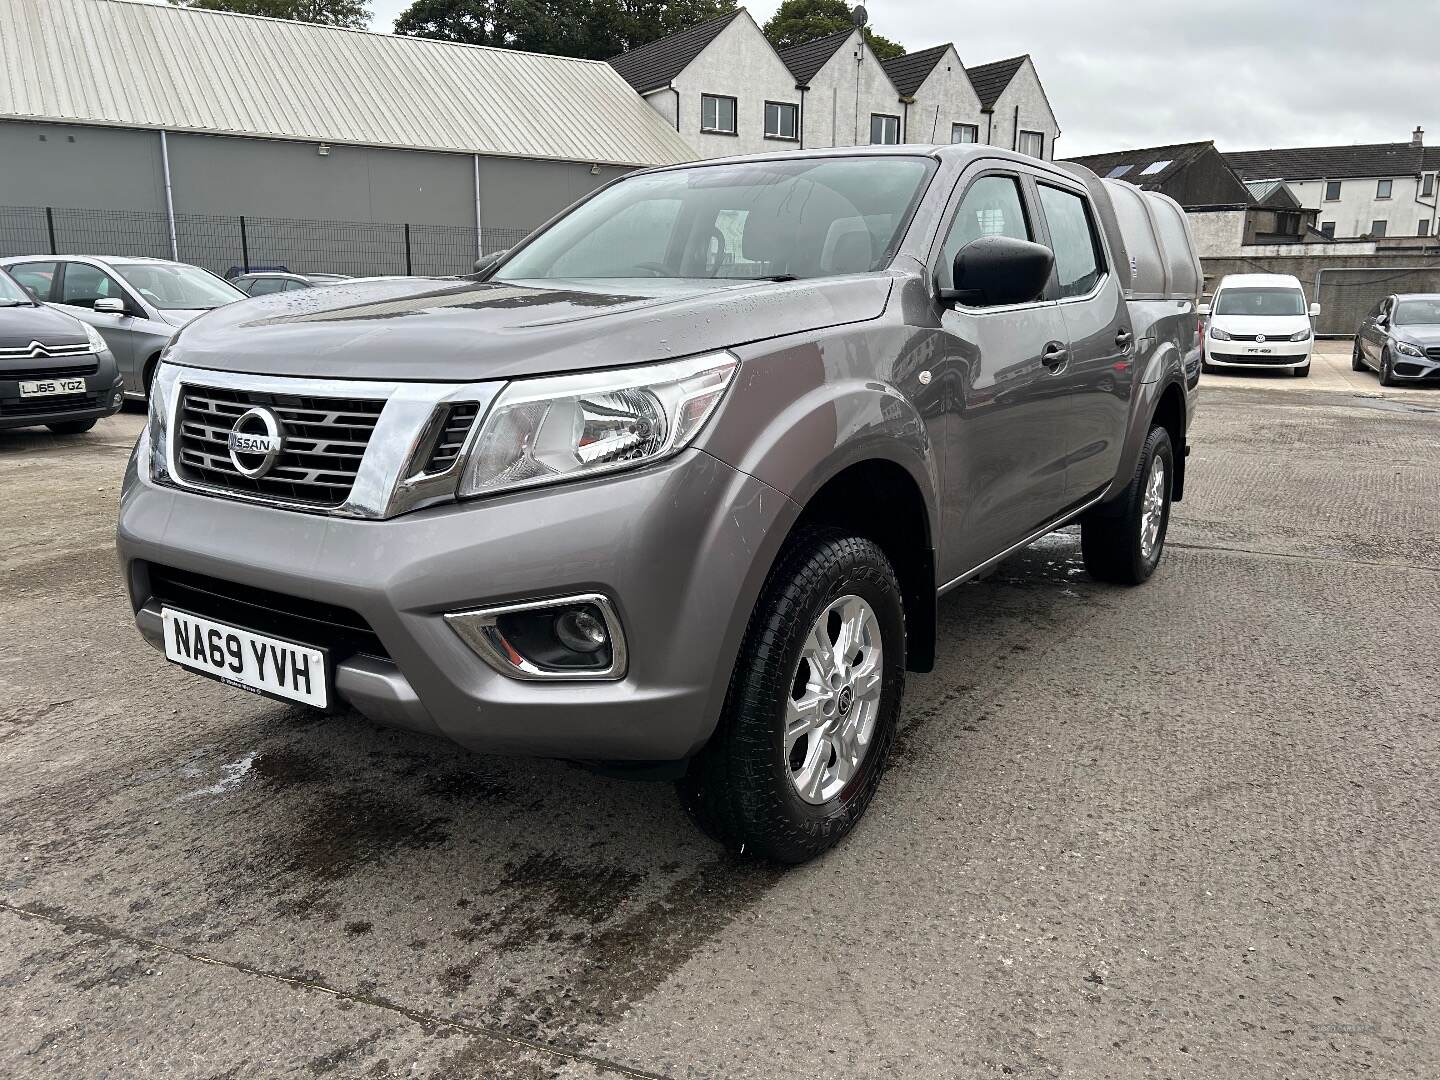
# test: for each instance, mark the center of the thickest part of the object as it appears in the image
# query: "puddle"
(232, 775)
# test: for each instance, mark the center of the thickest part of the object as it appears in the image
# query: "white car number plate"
(47, 387)
(245, 659)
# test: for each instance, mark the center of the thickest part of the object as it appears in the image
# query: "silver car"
(137, 304)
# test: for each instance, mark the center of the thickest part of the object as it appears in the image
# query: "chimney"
(1418, 137)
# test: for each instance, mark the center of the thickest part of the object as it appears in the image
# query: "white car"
(1259, 321)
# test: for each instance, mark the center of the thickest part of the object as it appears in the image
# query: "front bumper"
(1241, 354)
(103, 396)
(1416, 368)
(681, 549)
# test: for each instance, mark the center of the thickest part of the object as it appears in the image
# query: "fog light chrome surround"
(479, 628)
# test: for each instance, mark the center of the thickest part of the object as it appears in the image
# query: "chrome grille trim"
(389, 464)
(39, 351)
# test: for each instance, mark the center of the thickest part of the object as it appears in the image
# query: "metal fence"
(1345, 293)
(224, 244)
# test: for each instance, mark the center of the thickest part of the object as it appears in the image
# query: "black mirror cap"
(994, 270)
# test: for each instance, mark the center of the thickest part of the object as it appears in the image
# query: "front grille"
(458, 422)
(42, 405)
(1236, 358)
(311, 622)
(74, 371)
(41, 352)
(1433, 352)
(325, 439)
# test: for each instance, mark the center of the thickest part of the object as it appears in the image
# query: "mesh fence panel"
(23, 231)
(1346, 294)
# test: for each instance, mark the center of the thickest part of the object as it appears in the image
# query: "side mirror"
(1382, 321)
(33, 294)
(110, 305)
(1204, 310)
(487, 262)
(1314, 311)
(994, 270)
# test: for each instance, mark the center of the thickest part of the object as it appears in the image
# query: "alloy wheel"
(1152, 511)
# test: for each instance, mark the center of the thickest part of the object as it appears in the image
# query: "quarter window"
(264, 286)
(964, 133)
(1383, 188)
(992, 207)
(1032, 143)
(1332, 190)
(884, 130)
(782, 120)
(717, 114)
(38, 277)
(1072, 237)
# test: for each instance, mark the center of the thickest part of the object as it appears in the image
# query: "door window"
(991, 207)
(1072, 237)
(38, 277)
(84, 284)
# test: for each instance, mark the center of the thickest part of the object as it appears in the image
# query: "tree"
(590, 29)
(796, 22)
(352, 13)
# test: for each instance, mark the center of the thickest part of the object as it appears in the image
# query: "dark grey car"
(674, 488)
(1400, 339)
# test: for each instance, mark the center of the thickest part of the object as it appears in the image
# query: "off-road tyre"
(739, 789)
(1110, 535)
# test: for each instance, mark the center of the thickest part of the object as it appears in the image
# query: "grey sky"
(1249, 74)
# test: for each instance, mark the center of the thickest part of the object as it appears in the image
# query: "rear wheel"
(810, 715)
(1122, 541)
(71, 427)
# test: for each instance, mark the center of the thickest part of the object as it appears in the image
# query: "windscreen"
(10, 291)
(1424, 311)
(812, 217)
(175, 288)
(1260, 301)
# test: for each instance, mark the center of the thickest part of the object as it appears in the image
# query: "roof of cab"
(1256, 280)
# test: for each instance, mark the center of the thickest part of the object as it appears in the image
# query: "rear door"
(1098, 379)
(1004, 458)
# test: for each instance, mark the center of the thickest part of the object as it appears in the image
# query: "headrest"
(765, 239)
(854, 253)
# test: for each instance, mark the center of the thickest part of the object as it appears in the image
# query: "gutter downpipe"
(479, 231)
(803, 91)
(169, 197)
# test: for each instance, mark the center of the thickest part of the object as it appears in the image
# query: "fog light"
(118, 399)
(573, 637)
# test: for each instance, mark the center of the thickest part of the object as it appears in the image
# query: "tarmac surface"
(1185, 830)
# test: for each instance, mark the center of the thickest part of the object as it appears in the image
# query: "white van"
(1259, 321)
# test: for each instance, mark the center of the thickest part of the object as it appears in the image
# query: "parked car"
(675, 486)
(55, 371)
(136, 304)
(1259, 321)
(263, 283)
(1400, 338)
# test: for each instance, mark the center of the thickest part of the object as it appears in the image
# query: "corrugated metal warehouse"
(236, 115)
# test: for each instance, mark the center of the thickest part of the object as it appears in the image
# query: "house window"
(884, 130)
(1424, 228)
(1427, 188)
(1383, 188)
(717, 114)
(1327, 230)
(964, 133)
(782, 120)
(1032, 143)
(1332, 190)
(1377, 228)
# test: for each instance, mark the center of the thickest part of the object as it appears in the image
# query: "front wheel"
(1122, 541)
(1387, 369)
(811, 711)
(1357, 358)
(71, 427)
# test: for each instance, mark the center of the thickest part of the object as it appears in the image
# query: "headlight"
(1300, 335)
(540, 431)
(159, 420)
(1218, 334)
(97, 343)
(1408, 349)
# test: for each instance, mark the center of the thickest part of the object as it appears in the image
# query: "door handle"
(1054, 355)
(1123, 338)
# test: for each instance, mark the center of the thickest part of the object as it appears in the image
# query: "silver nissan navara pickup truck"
(673, 486)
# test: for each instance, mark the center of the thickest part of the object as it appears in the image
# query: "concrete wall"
(1218, 233)
(67, 165)
(1357, 208)
(946, 97)
(1025, 94)
(739, 63)
(844, 93)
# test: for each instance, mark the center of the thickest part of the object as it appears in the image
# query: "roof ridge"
(815, 41)
(728, 16)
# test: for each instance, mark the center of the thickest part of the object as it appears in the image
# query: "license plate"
(243, 658)
(1252, 351)
(49, 387)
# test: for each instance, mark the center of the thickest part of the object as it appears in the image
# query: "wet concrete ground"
(1189, 830)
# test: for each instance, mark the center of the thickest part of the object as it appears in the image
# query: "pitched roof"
(805, 60)
(1328, 162)
(656, 64)
(910, 71)
(73, 61)
(990, 80)
(1172, 159)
